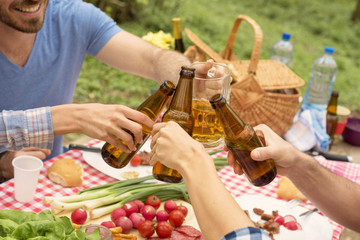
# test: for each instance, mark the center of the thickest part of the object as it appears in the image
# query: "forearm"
(215, 209)
(336, 196)
(29, 128)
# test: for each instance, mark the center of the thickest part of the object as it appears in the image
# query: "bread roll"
(287, 190)
(66, 173)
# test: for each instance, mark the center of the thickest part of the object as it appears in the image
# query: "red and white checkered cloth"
(237, 185)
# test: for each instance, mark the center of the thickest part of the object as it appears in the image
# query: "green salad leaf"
(17, 224)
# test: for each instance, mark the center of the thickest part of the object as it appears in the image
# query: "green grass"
(313, 25)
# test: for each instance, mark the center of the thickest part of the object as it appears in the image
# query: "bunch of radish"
(142, 216)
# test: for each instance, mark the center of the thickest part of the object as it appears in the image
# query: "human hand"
(174, 147)
(6, 167)
(210, 79)
(282, 152)
(118, 125)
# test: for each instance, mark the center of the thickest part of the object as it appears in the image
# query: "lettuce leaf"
(17, 224)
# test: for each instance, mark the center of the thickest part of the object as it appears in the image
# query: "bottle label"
(319, 92)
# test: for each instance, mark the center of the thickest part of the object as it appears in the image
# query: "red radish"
(136, 219)
(108, 224)
(125, 223)
(130, 208)
(292, 225)
(289, 218)
(79, 216)
(117, 213)
(183, 209)
(148, 212)
(139, 203)
(170, 205)
(162, 215)
(279, 219)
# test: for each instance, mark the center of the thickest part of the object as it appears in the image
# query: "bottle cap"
(286, 36)
(329, 50)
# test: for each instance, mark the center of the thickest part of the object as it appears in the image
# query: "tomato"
(146, 228)
(153, 201)
(136, 160)
(183, 209)
(163, 229)
(176, 218)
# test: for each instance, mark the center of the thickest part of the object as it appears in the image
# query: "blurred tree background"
(312, 24)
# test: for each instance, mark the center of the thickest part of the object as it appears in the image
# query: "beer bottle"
(180, 111)
(177, 32)
(331, 117)
(152, 107)
(240, 138)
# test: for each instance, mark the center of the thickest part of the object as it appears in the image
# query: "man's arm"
(29, 128)
(335, 196)
(131, 54)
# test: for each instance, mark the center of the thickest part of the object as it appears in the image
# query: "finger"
(261, 136)
(157, 127)
(261, 153)
(45, 151)
(39, 154)
(119, 143)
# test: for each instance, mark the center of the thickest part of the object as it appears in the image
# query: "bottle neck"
(182, 100)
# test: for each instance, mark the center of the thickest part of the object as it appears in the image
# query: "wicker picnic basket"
(262, 91)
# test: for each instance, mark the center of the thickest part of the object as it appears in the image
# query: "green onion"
(102, 200)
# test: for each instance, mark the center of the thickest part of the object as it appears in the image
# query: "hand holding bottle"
(282, 152)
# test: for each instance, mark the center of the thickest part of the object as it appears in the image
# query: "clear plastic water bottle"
(321, 82)
(283, 50)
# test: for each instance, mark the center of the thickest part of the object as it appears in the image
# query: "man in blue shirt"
(43, 44)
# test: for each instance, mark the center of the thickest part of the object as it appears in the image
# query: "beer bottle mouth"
(166, 85)
(217, 99)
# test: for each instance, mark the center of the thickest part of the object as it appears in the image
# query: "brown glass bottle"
(152, 107)
(180, 111)
(331, 117)
(177, 32)
(241, 139)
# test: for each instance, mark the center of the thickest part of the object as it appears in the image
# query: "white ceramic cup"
(26, 175)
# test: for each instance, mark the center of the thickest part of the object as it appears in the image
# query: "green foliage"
(312, 24)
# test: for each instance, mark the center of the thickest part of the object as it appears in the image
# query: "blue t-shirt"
(71, 30)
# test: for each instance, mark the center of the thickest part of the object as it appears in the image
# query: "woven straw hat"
(262, 91)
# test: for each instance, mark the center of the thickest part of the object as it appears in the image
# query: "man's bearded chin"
(32, 26)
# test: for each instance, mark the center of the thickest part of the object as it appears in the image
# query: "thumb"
(261, 153)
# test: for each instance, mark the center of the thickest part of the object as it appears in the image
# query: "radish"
(125, 223)
(289, 218)
(108, 224)
(148, 212)
(79, 216)
(292, 225)
(117, 213)
(162, 215)
(130, 208)
(139, 203)
(136, 219)
(279, 219)
(170, 205)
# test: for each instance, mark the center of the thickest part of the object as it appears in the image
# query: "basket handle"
(258, 38)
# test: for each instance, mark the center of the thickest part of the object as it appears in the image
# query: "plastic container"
(283, 50)
(105, 233)
(351, 133)
(321, 83)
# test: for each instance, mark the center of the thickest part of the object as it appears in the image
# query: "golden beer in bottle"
(241, 139)
(177, 32)
(152, 107)
(179, 111)
(331, 116)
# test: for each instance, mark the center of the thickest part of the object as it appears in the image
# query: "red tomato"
(135, 161)
(153, 201)
(163, 229)
(176, 218)
(146, 228)
(183, 209)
